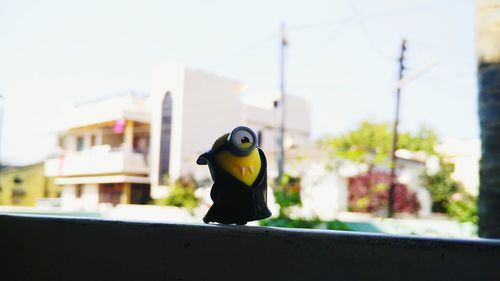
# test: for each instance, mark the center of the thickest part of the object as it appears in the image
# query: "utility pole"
(392, 186)
(281, 107)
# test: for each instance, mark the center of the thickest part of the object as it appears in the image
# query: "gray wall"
(38, 248)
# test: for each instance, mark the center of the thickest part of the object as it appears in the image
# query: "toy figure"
(239, 171)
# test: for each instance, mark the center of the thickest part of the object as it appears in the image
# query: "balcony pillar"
(128, 136)
(125, 195)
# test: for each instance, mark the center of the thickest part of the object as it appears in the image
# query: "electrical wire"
(258, 43)
(249, 48)
(358, 16)
(375, 47)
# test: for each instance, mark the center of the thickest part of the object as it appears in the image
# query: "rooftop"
(129, 106)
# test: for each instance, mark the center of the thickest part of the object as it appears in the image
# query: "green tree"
(423, 140)
(441, 186)
(287, 194)
(370, 143)
(462, 207)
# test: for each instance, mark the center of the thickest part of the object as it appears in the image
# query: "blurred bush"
(441, 186)
(370, 144)
(369, 193)
(287, 193)
(182, 193)
(285, 221)
(463, 207)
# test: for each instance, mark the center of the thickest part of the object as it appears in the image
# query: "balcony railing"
(94, 162)
(43, 248)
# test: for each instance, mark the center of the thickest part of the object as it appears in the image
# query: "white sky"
(342, 57)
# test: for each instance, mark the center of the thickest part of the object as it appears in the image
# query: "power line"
(329, 23)
(361, 19)
(258, 43)
(336, 32)
(320, 24)
(333, 35)
(364, 29)
(249, 48)
(420, 8)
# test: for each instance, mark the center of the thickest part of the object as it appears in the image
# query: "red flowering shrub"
(369, 193)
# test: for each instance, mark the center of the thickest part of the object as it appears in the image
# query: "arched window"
(166, 124)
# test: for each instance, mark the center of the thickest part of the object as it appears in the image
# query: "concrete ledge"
(49, 248)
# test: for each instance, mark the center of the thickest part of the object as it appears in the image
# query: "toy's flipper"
(202, 159)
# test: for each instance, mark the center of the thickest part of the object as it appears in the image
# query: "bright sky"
(342, 58)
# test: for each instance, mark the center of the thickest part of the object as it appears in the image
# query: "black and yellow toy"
(239, 171)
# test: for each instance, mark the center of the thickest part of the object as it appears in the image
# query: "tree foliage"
(449, 196)
(463, 207)
(371, 143)
(287, 193)
(441, 186)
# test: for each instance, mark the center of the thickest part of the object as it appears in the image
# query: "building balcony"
(97, 162)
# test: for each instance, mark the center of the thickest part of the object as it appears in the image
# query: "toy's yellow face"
(245, 169)
(241, 159)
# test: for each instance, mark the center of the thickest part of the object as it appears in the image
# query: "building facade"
(127, 149)
(190, 109)
(103, 153)
(465, 155)
(22, 186)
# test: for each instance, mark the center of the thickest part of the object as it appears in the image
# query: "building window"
(80, 142)
(18, 192)
(92, 140)
(78, 190)
(166, 123)
(139, 193)
(110, 193)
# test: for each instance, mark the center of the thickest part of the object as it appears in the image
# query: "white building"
(119, 150)
(103, 153)
(192, 108)
(325, 192)
(465, 154)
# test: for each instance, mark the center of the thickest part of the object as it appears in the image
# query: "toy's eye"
(243, 139)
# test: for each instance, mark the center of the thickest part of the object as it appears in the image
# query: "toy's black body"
(234, 201)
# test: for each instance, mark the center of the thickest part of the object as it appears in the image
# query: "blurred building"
(191, 108)
(465, 155)
(325, 191)
(103, 153)
(23, 185)
(124, 149)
